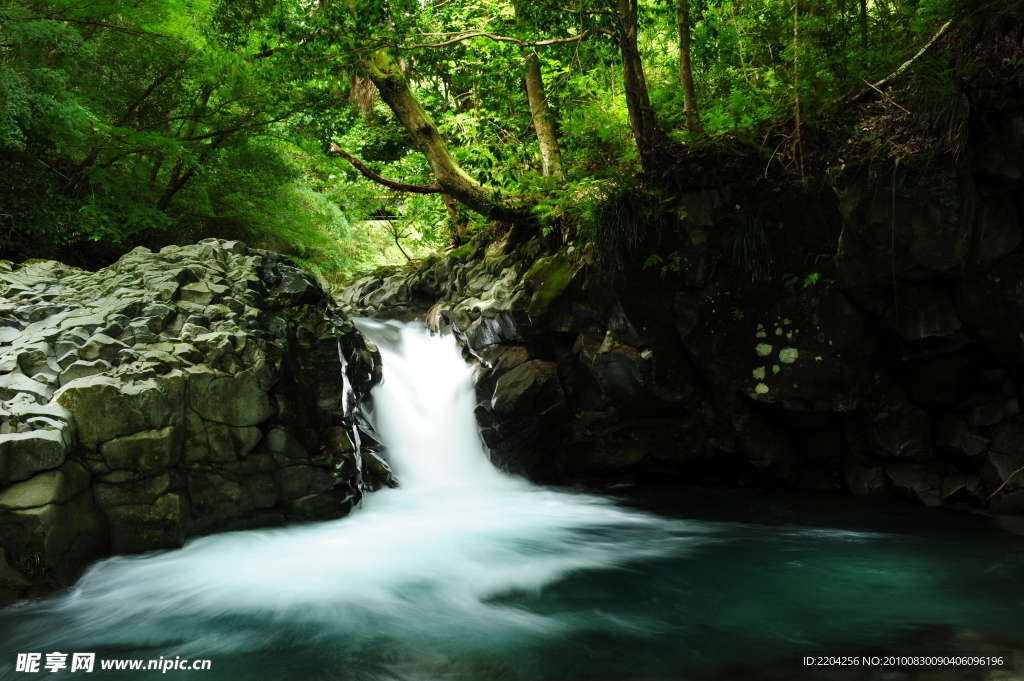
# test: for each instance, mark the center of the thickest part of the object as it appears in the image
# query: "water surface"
(466, 574)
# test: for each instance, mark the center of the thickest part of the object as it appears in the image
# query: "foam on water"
(419, 562)
(467, 574)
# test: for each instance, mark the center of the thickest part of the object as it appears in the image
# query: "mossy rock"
(553, 275)
(464, 251)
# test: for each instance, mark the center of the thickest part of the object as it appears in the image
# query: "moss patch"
(552, 275)
(464, 251)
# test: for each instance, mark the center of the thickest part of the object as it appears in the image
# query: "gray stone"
(16, 383)
(101, 346)
(531, 387)
(916, 481)
(145, 453)
(239, 400)
(954, 437)
(997, 230)
(865, 482)
(299, 481)
(83, 368)
(900, 428)
(375, 465)
(50, 487)
(961, 489)
(295, 289)
(23, 454)
(263, 488)
(106, 408)
(921, 312)
(51, 529)
(282, 441)
(110, 444)
(121, 489)
(1009, 439)
(11, 577)
(146, 527)
(199, 293)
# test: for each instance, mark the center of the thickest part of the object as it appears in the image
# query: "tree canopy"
(160, 121)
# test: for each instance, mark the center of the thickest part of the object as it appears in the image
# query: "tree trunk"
(543, 123)
(798, 151)
(650, 141)
(864, 24)
(459, 225)
(540, 114)
(686, 71)
(450, 177)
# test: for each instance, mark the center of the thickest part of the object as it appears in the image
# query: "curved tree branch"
(449, 175)
(899, 72)
(500, 39)
(369, 174)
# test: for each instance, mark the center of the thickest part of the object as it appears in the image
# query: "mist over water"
(424, 411)
(465, 573)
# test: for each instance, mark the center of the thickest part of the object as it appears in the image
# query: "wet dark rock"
(922, 311)
(882, 357)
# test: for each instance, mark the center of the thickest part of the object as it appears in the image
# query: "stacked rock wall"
(172, 394)
(884, 358)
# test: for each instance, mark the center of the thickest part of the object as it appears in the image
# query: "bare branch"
(369, 174)
(885, 95)
(1008, 478)
(500, 39)
(898, 72)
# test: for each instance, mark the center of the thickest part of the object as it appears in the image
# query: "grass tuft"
(746, 246)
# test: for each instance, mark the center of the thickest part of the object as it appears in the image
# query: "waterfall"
(415, 567)
(467, 574)
(423, 410)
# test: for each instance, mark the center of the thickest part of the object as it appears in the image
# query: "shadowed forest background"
(167, 121)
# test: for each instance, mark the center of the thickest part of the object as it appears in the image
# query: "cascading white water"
(466, 574)
(413, 566)
(424, 410)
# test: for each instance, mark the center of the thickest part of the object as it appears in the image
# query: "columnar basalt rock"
(199, 389)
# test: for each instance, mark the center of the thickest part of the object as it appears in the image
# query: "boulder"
(998, 232)
(899, 428)
(530, 388)
(953, 436)
(52, 487)
(24, 454)
(923, 232)
(922, 311)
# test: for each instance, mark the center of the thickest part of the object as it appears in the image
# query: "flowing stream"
(467, 574)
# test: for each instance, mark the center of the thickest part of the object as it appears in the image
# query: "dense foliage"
(160, 121)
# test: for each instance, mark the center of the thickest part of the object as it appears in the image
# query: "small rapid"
(464, 573)
(415, 565)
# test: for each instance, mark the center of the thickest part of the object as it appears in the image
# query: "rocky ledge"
(199, 389)
(892, 371)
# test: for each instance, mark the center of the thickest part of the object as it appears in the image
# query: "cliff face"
(199, 389)
(882, 358)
